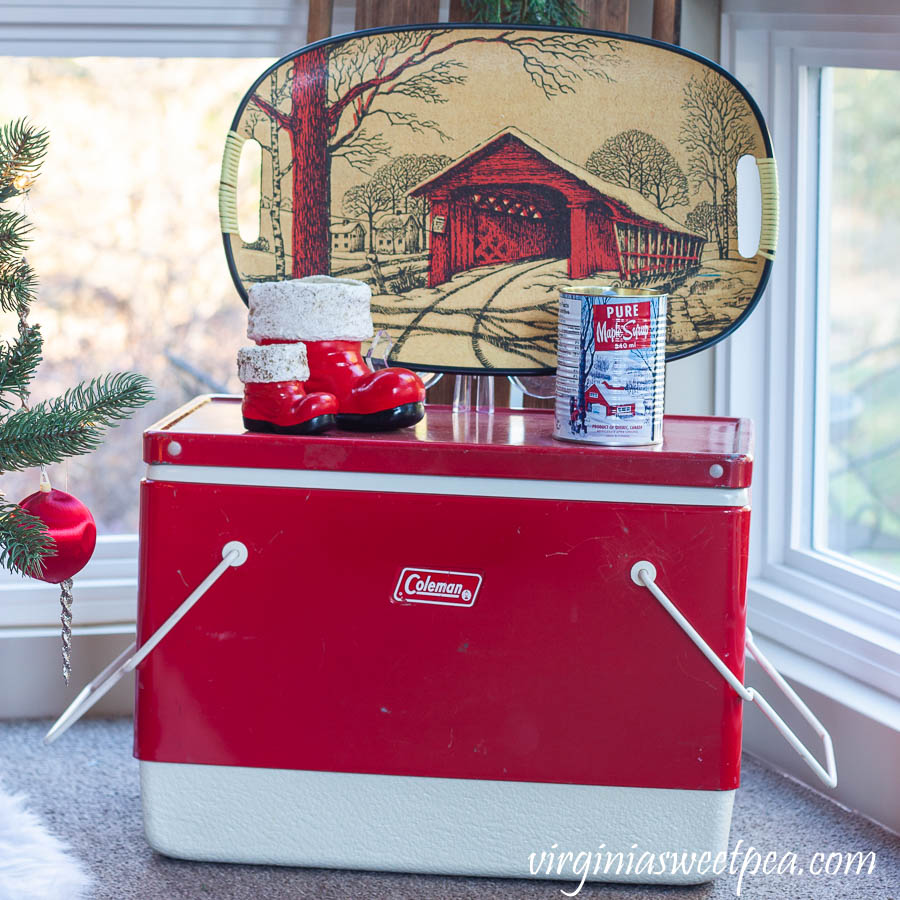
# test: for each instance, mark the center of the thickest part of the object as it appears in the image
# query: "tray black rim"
(486, 26)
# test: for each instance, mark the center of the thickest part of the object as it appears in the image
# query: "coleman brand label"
(622, 326)
(437, 586)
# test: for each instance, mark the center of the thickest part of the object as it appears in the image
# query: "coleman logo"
(437, 586)
(622, 326)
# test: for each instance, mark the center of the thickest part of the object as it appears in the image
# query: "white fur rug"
(34, 865)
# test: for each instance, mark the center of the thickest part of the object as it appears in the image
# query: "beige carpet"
(85, 788)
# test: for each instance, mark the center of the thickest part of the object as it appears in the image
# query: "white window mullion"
(775, 369)
(201, 28)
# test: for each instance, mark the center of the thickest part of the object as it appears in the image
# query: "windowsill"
(842, 688)
(30, 669)
(864, 724)
(854, 648)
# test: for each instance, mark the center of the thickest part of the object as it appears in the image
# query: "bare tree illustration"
(391, 182)
(426, 166)
(397, 178)
(280, 170)
(647, 355)
(366, 200)
(585, 363)
(395, 227)
(638, 160)
(701, 219)
(716, 132)
(339, 95)
(388, 190)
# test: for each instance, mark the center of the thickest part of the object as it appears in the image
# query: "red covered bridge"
(512, 198)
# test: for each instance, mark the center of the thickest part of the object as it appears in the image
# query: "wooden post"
(373, 13)
(377, 274)
(603, 15)
(667, 21)
(319, 23)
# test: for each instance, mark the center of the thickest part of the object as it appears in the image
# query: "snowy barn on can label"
(614, 400)
(511, 198)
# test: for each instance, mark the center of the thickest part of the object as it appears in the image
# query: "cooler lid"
(697, 451)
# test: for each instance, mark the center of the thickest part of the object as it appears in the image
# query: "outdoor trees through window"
(127, 243)
(859, 302)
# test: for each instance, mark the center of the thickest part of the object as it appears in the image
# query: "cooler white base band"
(447, 826)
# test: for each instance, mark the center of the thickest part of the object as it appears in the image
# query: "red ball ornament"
(71, 526)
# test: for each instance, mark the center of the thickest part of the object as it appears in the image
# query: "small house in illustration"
(617, 401)
(511, 198)
(348, 237)
(400, 233)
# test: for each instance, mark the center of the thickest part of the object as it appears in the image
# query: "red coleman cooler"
(448, 649)
(434, 657)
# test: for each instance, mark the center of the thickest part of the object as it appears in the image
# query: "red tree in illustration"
(333, 92)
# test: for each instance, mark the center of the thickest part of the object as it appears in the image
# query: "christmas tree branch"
(18, 363)
(14, 228)
(72, 424)
(565, 13)
(18, 285)
(24, 540)
(22, 149)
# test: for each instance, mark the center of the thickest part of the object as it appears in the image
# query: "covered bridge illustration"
(512, 198)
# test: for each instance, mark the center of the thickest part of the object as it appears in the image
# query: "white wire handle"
(643, 573)
(234, 553)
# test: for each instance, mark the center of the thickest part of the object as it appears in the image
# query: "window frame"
(815, 602)
(106, 589)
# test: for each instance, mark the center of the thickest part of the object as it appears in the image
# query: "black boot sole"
(316, 425)
(385, 420)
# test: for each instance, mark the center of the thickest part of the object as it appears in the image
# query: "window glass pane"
(127, 243)
(863, 324)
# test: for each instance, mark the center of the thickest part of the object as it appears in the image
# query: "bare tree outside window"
(859, 496)
(127, 240)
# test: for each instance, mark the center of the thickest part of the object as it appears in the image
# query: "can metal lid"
(597, 290)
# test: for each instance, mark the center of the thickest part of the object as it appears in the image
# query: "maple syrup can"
(611, 365)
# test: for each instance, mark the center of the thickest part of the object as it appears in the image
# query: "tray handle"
(768, 186)
(643, 573)
(228, 215)
(234, 553)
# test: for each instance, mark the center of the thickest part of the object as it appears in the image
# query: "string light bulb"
(22, 182)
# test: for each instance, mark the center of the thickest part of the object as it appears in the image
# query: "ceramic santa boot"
(275, 401)
(332, 318)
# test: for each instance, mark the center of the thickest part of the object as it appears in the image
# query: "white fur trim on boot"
(317, 308)
(273, 362)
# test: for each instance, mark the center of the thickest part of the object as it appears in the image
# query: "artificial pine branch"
(72, 424)
(18, 363)
(24, 540)
(18, 285)
(561, 13)
(22, 150)
(52, 430)
(14, 229)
